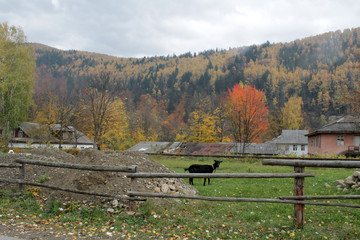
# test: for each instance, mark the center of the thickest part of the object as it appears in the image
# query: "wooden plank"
(321, 197)
(19, 181)
(218, 175)
(4, 165)
(133, 187)
(246, 156)
(299, 209)
(312, 163)
(22, 176)
(232, 199)
(78, 166)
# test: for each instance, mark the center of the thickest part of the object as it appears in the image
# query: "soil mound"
(91, 181)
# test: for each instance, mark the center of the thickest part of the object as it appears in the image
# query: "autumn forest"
(302, 84)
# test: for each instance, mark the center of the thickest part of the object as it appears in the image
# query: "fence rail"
(218, 175)
(4, 165)
(311, 163)
(24, 182)
(78, 166)
(234, 199)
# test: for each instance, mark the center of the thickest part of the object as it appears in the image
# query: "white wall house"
(34, 135)
(292, 142)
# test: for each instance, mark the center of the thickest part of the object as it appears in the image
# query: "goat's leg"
(204, 181)
(208, 181)
(191, 181)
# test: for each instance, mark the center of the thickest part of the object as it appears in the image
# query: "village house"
(337, 137)
(292, 142)
(34, 135)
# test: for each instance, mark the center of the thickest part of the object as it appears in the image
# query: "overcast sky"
(138, 28)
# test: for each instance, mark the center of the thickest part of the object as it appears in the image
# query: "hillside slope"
(320, 69)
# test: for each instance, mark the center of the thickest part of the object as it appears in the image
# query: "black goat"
(196, 168)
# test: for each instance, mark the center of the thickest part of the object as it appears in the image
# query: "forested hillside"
(160, 95)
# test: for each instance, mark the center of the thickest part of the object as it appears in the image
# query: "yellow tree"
(46, 116)
(146, 120)
(116, 134)
(202, 127)
(292, 114)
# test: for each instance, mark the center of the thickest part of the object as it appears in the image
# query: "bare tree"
(97, 98)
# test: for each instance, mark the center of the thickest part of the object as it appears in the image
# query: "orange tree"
(247, 114)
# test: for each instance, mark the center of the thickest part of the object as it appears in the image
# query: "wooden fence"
(299, 175)
(299, 184)
(21, 164)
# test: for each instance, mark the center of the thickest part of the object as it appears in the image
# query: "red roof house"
(336, 137)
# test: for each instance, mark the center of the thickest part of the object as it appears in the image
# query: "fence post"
(133, 187)
(299, 191)
(21, 177)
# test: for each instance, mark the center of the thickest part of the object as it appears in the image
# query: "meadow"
(195, 219)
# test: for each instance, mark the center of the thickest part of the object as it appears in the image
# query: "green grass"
(194, 219)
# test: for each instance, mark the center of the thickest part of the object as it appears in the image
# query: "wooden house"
(34, 135)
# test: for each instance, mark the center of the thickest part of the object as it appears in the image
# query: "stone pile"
(351, 182)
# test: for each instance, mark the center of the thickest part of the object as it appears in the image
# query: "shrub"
(72, 151)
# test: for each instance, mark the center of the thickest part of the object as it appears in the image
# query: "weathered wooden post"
(21, 177)
(299, 192)
(133, 187)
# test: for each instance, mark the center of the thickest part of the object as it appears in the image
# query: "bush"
(72, 151)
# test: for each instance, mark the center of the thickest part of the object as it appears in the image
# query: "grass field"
(194, 219)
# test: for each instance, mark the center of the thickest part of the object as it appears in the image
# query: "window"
(294, 147)
(302, 147)
(21, 134)
(340, 140)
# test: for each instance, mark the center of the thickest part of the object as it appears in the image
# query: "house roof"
(154, 147)
(205, 148)
(346, 124)
(193, 148)
(267, 148)
(82, 138)
(33, 130)
(292, 137)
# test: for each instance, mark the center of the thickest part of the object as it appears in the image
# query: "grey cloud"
(161, 27)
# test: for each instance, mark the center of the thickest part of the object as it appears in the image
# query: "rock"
(157, 190)
(165, 188)
(339, 183)
(356, 174)
(349, 181)
(327, 185)
(135, 214)
(110, 210)
(115, 203)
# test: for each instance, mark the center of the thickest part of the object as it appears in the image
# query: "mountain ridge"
(320, 69)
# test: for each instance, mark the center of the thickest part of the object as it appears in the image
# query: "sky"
(145, 28)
